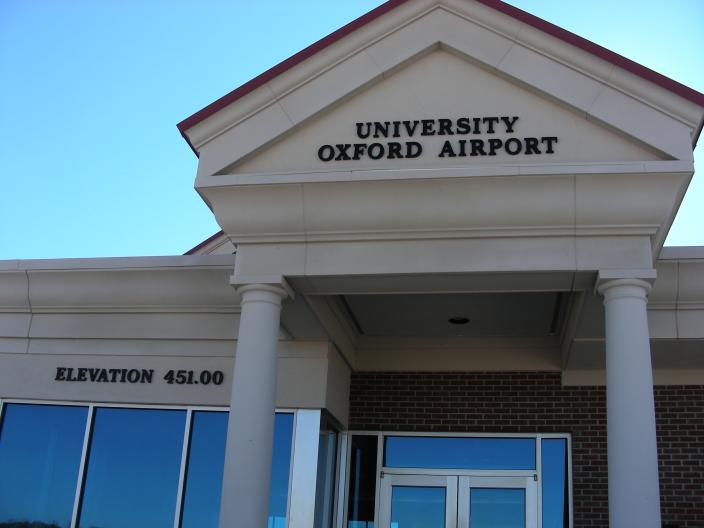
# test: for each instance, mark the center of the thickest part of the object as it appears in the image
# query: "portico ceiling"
(433, 315)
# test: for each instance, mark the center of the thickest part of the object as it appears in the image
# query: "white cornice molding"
(121, 263)
(456, 233)
(140, 285)
(428, 173)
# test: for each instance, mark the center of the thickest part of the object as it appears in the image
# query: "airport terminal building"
(439, 298)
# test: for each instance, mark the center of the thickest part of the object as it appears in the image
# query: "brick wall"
(510, 402)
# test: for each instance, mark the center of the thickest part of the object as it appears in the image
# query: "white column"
(634, 494)
(250, 429)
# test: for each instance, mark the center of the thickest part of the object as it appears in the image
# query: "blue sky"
(91, 163)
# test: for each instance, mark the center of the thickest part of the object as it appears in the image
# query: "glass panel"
(325, 487)
(280, 469)
(497, 508)
(459, 453)
(133, 468)
(40, 454)
(362, 484)
(417, 507)
(206, 457)
(555, 491)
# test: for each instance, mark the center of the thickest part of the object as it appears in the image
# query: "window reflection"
(459, 453)
(497, 507)
(325, 479)
(555, 483)
(417, 507)
(280, 470)
(40, 455)
(133, 468)
(201, 502)
(362, 483)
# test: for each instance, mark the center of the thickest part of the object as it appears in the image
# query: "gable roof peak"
(542, 25)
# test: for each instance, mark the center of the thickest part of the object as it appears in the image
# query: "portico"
(361, 172)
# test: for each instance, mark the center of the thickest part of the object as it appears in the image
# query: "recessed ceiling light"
(458, 320)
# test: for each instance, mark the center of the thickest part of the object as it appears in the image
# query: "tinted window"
(555, 479)
(40, 455)
(133, 469)
(459, 453)
(201, 503)
(362, 484)
(418, 507)
(325, 481)
(280, 470)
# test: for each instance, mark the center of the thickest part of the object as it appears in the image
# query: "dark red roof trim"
(619, 60)
(204, 243)
(539, 23)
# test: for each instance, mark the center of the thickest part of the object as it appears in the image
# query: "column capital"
(624, 288)
(270, 283)
(637, 279)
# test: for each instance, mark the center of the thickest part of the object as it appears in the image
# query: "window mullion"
(182, 470)
(82, 467)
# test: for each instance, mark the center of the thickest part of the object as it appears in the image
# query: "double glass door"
(457, 501)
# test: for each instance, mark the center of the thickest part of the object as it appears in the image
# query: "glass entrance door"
(418, 501)
(497, 502)
(449, 501)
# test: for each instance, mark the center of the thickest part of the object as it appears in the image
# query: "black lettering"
(494, 145)
(477, 147)
(428, 127)
(477, 128)
(133, 375)
(359, 149)
(463, 126)
(463, 144)
(147, 375)
(509, 122)
(113, 375)
(394, 150)
(410, 130)
(123, 374)
(413, 149)
(82, 374)
(103, 377)
(326, 153)
(447, 150)
(491, 121)
(60, 374)
(445, 127)
(532, 146)
(397, 125)
(517, 146)
(69, 375)
(549, 140)
(359, 126)
(375, 151)
(93, 373)
(381, 130)
(342, 152)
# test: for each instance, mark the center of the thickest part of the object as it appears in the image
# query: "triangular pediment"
(439, 60)
(374, 133)
(443, 110)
